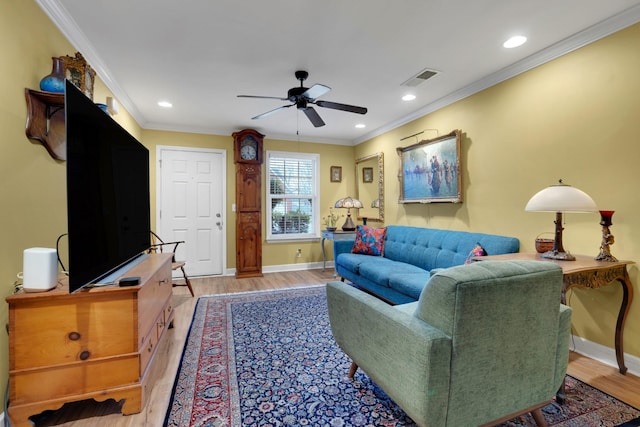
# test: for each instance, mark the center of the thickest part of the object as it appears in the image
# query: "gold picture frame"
(336, 173)
(431, 170)
(78, 72)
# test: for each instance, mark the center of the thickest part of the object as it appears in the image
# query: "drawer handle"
(164, 281)
(74, 336)
(85, 355)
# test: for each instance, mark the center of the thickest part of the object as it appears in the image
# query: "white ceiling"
(201, 54)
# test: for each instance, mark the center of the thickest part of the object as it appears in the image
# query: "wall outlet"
(299, 253)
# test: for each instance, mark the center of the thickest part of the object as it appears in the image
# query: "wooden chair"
(158, 245)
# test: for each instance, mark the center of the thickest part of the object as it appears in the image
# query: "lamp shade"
(348, 203)
(375, 203)
(561, 198)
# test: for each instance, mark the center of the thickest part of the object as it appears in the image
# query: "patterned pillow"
(478, 250)
(369, 240)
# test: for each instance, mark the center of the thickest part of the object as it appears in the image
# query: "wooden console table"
(585, 272)
(97, 344)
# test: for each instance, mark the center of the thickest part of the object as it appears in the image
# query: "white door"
(190, 197)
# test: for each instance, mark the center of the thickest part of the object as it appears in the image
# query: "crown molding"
(61, 18)
(589, 35)
(68, 27)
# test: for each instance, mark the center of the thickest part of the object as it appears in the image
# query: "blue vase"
(54, 82)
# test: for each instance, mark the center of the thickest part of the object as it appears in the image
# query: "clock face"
(248, 149)
(248, 152)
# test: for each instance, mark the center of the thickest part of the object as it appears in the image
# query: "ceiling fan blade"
(313, 116)
(316, 91)
(343, 107)
(268, 113)
(263, 97)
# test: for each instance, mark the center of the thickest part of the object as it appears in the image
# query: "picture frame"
(367, 174)
(431, 171)
(336, 173)
(78, 72)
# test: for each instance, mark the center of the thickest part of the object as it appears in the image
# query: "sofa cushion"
(380, 270)
(351, 262)
(369, 240)
(430, 248)
(410, 284)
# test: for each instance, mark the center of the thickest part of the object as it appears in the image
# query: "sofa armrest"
(562, 351)
(341, 247)
(405, 356)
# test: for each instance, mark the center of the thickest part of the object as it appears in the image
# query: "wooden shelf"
(45, 121)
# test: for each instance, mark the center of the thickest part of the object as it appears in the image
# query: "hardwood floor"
(90, 413)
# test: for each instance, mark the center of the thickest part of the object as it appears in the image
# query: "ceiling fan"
(301, 97)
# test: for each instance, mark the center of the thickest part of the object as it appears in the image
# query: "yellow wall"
(33, 184)
(575, 118)
(33, 190)
(273, 254)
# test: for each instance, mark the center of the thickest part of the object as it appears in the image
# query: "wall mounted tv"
(108, 204)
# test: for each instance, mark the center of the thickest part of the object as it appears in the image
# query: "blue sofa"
(411, 255)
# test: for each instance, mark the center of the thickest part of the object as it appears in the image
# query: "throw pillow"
(369, 240)
(478, 250)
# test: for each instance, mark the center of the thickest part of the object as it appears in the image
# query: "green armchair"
(484, 343)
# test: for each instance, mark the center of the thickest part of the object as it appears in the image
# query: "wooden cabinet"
(248, 158)
(93, 344)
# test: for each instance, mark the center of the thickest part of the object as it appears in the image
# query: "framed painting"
(431, 170)
(367, 174)
(336, 173)
(79, 73)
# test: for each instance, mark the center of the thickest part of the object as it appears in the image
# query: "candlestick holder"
(607, 238)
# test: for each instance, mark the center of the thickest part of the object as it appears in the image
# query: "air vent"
(420, 78)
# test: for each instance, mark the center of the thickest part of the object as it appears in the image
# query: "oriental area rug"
(269, 359)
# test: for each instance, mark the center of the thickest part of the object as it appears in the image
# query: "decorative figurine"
(607, 238)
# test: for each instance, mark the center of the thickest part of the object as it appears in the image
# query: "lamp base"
(561, 256)
(348, 224)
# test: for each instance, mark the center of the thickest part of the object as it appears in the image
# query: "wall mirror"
(370, 187)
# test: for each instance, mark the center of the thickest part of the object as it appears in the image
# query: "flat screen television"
(108, 205)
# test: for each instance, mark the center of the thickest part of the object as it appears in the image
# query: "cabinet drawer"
(45, 333)
(148, 349)
(35, 385)
(152, 298)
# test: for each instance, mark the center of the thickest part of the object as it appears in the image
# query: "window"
(292, 195)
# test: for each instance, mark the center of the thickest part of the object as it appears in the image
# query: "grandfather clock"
(247, 147)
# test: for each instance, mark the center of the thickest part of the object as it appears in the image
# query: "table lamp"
(560, 198)
(348, 203)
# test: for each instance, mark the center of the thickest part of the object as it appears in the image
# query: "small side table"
(334, 235)
(585, 272)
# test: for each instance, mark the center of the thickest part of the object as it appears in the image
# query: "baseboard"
(287, 267)
(604, 354)
(294, 267)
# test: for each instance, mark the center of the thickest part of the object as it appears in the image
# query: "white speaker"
(39, 269)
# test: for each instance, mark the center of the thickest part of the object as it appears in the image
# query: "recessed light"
(165, 104)
(408, 97)
(514, 41)
(360, 125)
